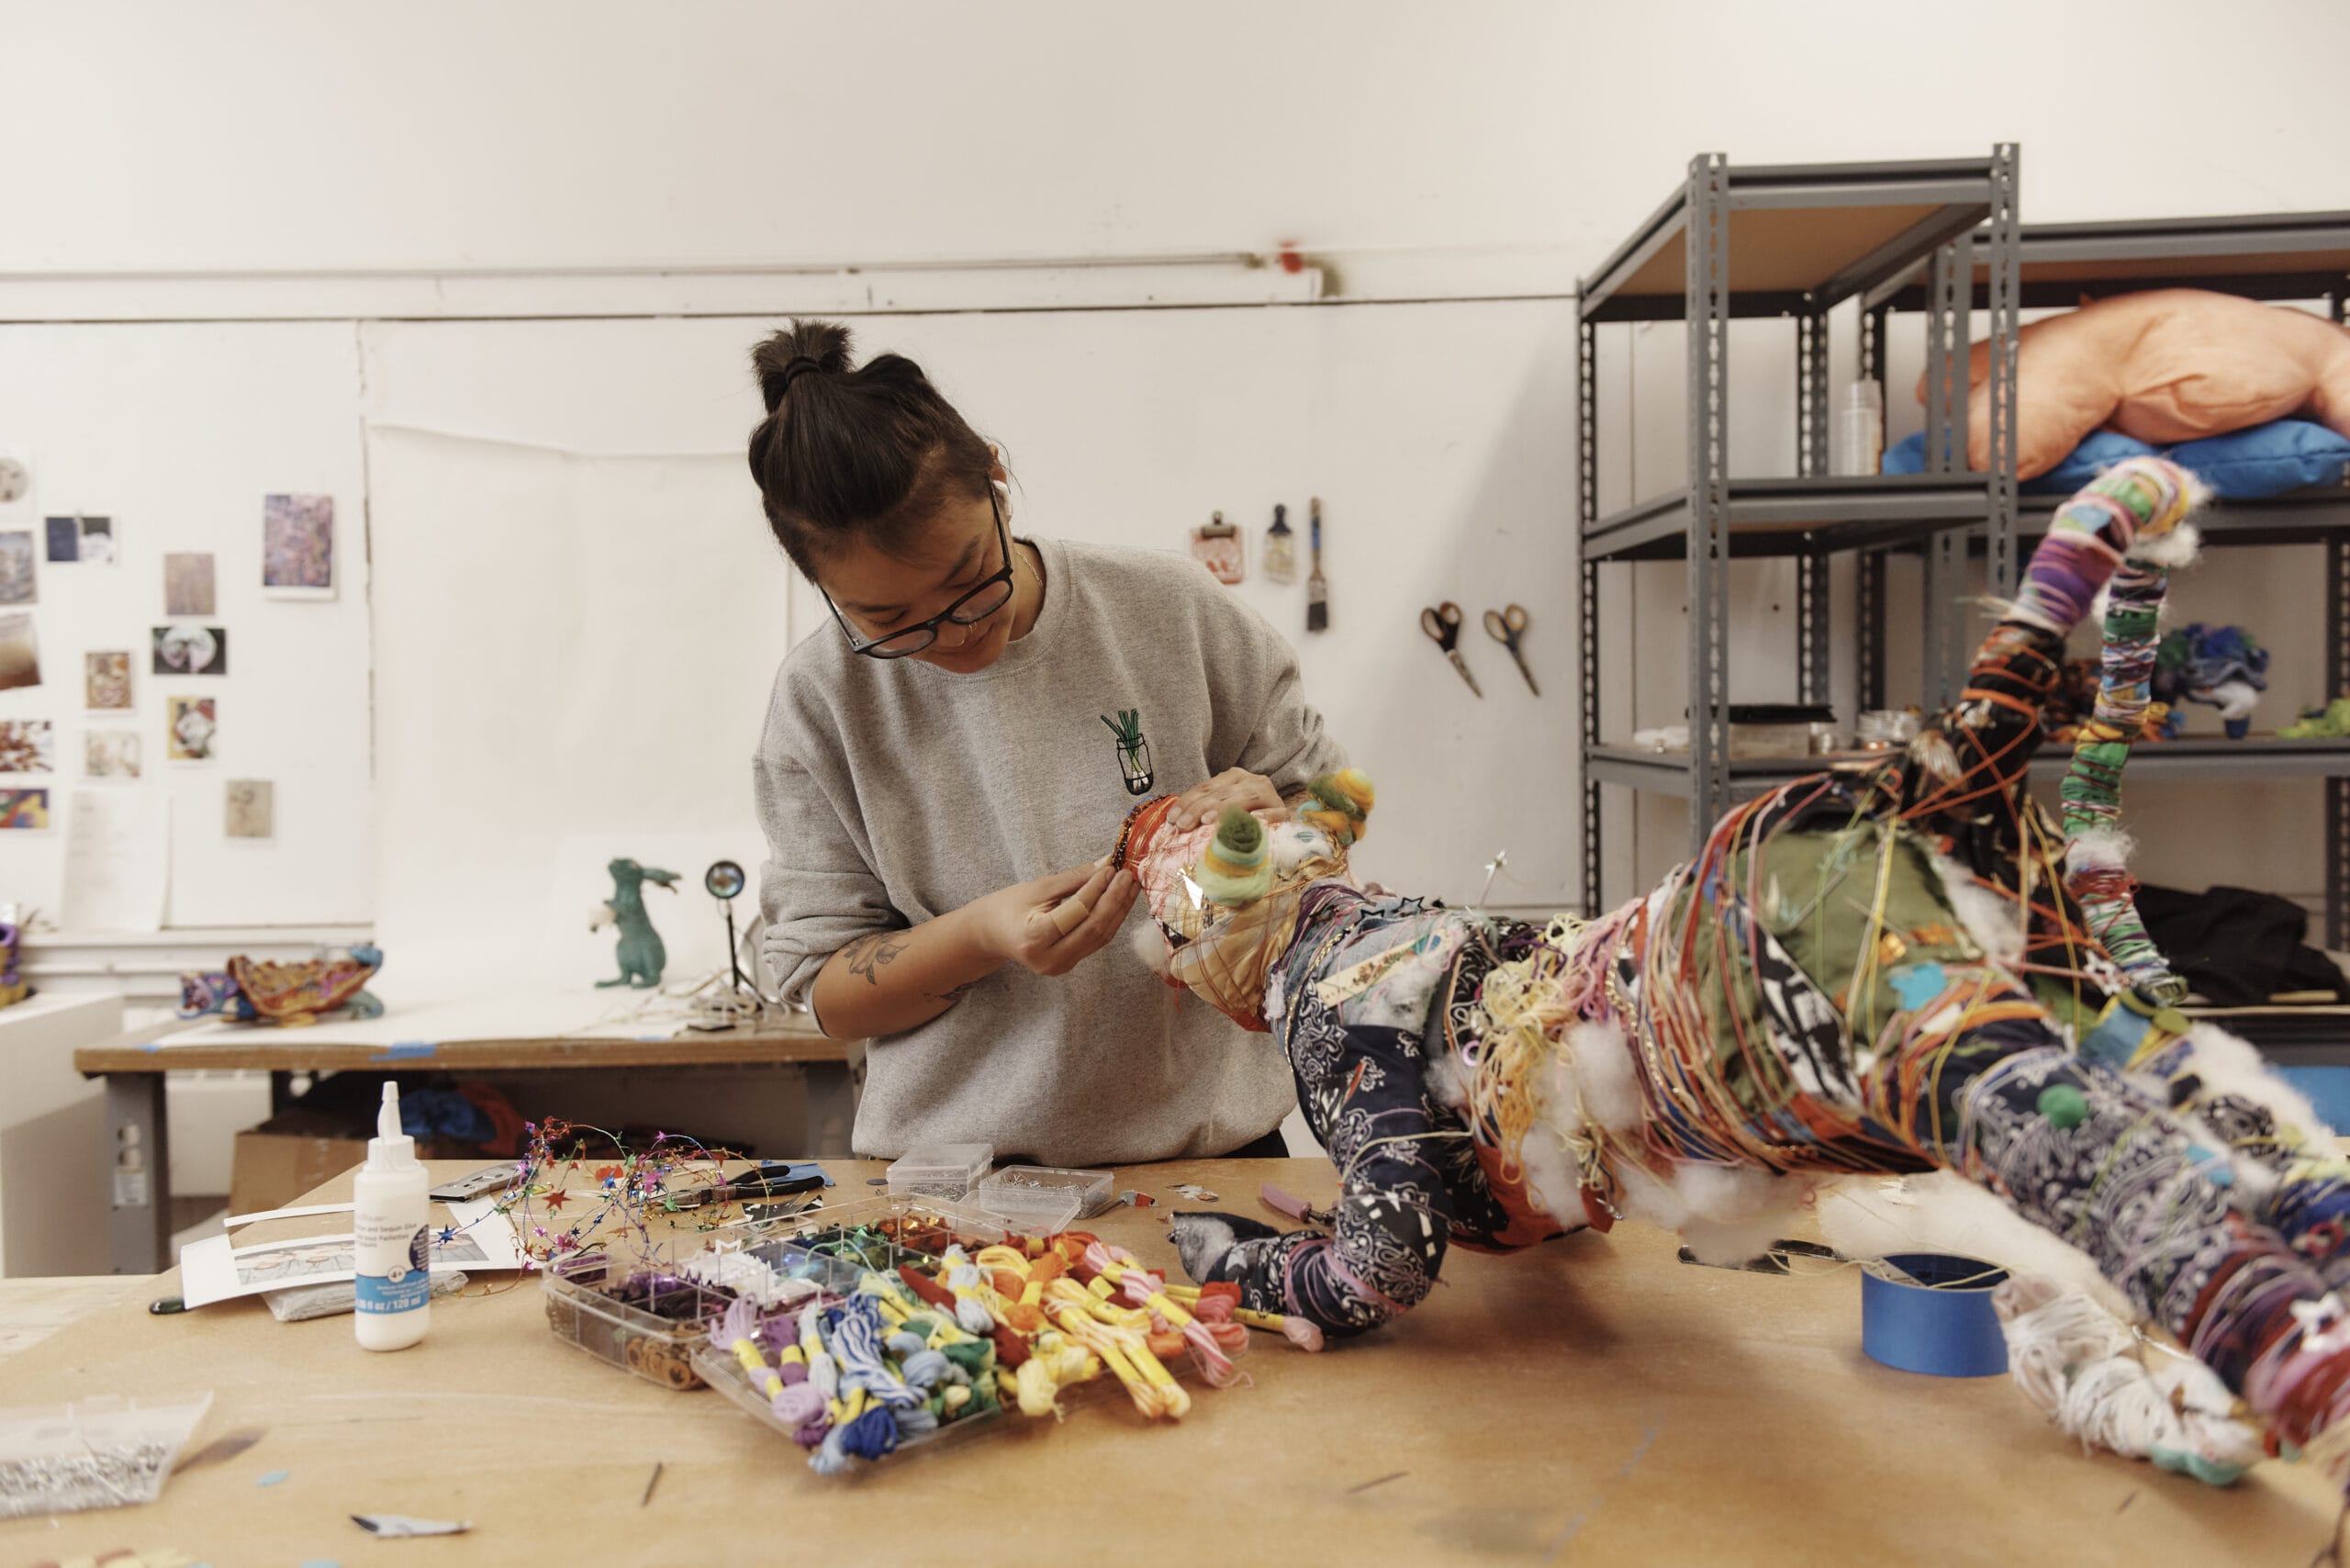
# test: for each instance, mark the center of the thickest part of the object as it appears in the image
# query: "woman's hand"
(1233, 786)
(1047, 925)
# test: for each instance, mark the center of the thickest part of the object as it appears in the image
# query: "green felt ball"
(2064, 1106)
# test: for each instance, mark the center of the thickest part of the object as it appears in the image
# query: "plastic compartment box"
(940, 1170)
(1041, 1199)
(921, 1228)
(655, 1348)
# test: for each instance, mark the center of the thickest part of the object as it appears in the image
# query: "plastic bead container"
(940, 1170)
(653, 1345)
(1038, 1200)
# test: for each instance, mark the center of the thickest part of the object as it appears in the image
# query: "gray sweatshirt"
(892, 792)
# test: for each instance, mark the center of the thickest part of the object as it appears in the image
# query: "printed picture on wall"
(187, 585)
(106, 680)
(97, 542)
(251, 808)
(89, 539)
(18, 585)
(298, 546)
(191, 650)
(27, 745)
(110, 753)
(24, 811)
(19, 655)
(194, 723)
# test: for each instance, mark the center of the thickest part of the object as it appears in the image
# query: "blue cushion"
(2098, 450)
(1906, 455)
(2266, 460)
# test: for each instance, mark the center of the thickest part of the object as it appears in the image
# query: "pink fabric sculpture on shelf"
(2166, 365)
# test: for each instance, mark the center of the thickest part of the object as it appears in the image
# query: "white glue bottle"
(394, 1292)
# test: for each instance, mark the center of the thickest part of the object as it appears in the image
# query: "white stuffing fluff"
(1605, 1076)
(2230, 1066)
(1447, 1080)
(1727, 1213)
(2106, 848)
(1875, 1217)
(1151, 947)
(1994, 922)
(1553, 1177)
(2177, 548)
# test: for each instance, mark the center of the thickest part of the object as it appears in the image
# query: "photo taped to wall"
(19, 653)
(106, 680)
(191, 650)
(298, 546)
(17, 584)
(195, 723)
(111, 754)
(188, 585)
(251, 808)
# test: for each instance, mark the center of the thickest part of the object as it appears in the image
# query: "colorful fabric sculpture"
(1887, 969)
(13, 988)
(2164, 366)
(2218, 667)
(252, 990)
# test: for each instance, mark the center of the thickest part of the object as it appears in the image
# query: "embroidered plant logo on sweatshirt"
(1133, 752)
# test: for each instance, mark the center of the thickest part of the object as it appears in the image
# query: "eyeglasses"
(968, 610)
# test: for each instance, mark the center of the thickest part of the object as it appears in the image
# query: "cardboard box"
(272, 1169)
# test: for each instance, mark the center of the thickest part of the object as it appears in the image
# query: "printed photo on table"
(298, 546)
(251, 808)
(110, 753)
(27, 745)
(17, 584)
(191, 650)
(24, 811)
(106, 680)
(19, 653)
(195, 722)
(187, 585)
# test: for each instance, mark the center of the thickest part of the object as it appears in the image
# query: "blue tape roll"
(1949, 1332)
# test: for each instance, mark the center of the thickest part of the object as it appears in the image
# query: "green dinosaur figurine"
(642, 955)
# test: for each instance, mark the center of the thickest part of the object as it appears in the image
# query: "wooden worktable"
(522, 1033)
(1594, 1401)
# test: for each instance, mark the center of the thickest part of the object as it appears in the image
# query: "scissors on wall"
(1443, 626)
(1507, 626)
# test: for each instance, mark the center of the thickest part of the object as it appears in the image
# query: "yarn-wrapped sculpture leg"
(1361, 1007)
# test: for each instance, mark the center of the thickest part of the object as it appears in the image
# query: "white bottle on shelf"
(1860, 429)
(393, 1295)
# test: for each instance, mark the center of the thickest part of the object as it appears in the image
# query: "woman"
(979, 718)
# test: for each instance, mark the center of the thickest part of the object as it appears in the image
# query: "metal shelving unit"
(1791, 242)
(2265, 256)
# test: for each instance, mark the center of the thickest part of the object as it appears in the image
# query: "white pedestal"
(53, 1159)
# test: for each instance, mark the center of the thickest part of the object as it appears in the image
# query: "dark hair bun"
(873, 457)
(824, 344)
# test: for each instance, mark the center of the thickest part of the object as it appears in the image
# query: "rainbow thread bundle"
(983, 1328)
(1891, 969)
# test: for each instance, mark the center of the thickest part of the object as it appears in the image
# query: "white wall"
(1412, 151)
(272, 134)
(177, 432)
(581, 610)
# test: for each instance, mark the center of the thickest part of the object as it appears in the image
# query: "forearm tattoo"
(867, 954)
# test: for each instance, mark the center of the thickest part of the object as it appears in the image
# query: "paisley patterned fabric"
(1358, 1006)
